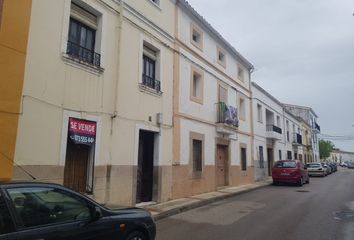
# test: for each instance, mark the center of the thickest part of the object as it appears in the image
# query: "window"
(37, 206)
(242, 108)
(289, 155)
(157, 2)
(285, 164)
(197, 155)
(197, 85)
(240, 73)
(221, 55)
(6, 225)
(287, 131)
(150, 57)
(278, 121)
(196, 37)
(82, 36)
(295, 155)
(261, 157)
(243, 159)
(279, 154)
(222, 94)
(259, 113)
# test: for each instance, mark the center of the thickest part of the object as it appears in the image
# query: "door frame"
(158, 144)
(226, 144)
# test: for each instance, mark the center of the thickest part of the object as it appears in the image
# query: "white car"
(316, 169)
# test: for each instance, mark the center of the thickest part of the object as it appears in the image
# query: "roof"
(302, 107)
(215, 33)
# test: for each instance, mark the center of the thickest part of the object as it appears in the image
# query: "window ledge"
(149, 90)
(81, 64)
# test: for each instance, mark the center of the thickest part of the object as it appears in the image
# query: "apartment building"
(212, 109)
(96, 105)
(310, 117)
(14, 27)
(278, 134)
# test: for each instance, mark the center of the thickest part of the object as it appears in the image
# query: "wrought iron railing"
(273, 128)
(83, 54)
(227, 114)
(151, 83)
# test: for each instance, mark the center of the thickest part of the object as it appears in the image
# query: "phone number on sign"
(83, 139)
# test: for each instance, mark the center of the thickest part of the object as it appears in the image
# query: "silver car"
(316, 169)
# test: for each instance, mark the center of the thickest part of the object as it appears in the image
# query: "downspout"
(115, 105)
(252, 128)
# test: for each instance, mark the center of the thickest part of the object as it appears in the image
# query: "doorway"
(270, 160)
(77, 166)
(222, 166)
(145, 170)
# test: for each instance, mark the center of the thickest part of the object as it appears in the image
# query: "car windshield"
(285, 164)
(313, 165)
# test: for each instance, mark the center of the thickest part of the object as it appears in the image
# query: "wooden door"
(76, 165)
(221, 165)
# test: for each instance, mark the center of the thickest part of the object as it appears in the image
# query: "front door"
(221, 166)
(145, 176)
(270, 160)
(76, 166)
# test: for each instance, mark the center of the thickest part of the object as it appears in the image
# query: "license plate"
(284, 174)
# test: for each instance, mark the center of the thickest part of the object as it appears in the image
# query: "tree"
(326, 147)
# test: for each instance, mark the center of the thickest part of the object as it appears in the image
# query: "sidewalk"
(166, 209)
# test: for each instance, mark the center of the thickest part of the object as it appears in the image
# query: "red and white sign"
(82, 131)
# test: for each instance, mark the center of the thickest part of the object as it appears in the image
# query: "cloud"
(303, 51)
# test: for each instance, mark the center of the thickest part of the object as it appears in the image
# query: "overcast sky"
(302, 50)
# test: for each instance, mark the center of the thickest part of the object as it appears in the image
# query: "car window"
(6, 225)
(40, 206)
(285, 164)
(313, 165)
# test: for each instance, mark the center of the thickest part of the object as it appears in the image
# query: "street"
(323, 209)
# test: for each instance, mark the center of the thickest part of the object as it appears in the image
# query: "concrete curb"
(204, 202)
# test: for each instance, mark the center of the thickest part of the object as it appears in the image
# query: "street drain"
(344, 215)
(302, 191)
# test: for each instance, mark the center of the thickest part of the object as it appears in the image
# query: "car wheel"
(308, 180)
(275, 182)
(136, 236)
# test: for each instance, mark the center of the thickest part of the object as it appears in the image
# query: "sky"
(302, 50)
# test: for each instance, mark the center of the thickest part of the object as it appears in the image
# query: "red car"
(290, 171)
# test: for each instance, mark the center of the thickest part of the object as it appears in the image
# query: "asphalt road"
(321, 210)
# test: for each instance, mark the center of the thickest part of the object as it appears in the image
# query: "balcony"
(273, 132)
(227, 119)
(317, 128)
(83, 54)
(151, 83)
(297, 139)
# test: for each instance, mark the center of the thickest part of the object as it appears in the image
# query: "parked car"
(290, 171)
(333, 166)
(50, 211)
(343, 164)
(350, 165)
(328, 168)
(316, 169)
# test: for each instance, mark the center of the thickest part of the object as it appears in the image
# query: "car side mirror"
(96, 214)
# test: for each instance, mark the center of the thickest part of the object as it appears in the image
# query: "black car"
(350, 165)
(33, 211)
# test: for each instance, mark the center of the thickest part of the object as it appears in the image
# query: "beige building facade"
(97, 99)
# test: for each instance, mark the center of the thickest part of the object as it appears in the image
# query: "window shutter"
(83, 16)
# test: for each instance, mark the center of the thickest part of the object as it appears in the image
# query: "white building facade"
(277, 133)
(212, 109)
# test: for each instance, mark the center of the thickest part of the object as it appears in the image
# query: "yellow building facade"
(14, 27)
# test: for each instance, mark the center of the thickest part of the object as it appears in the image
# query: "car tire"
(137, 235)
(300, 182)
(308, 180)
(275, 183)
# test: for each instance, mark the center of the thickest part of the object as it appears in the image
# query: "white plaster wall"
(188, 126)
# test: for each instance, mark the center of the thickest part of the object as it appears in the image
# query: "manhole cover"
(344, 215)
(302, 191)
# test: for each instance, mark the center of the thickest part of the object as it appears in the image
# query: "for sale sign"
(82, 131)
